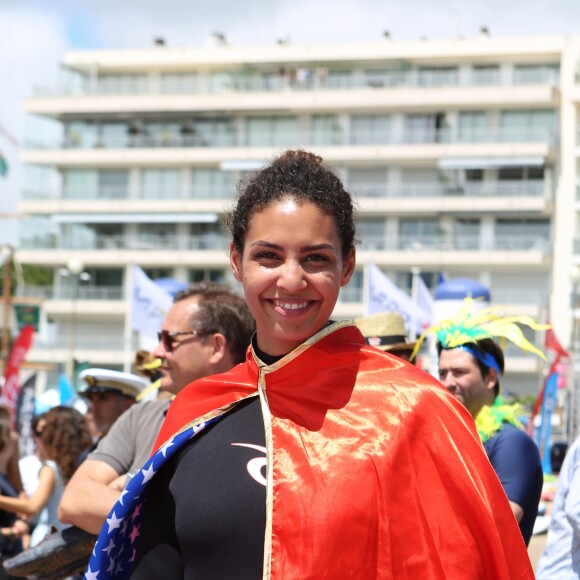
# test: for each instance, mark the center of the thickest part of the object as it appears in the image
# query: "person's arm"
(87, 498)
(516, 460)
(33, 504)
(12, 469)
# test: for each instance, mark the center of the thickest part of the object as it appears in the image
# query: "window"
(372, 234)
(368, 182)
(535, 74)
(466, 234)
(520, 173)
(209, 275)
(369, 129)
(122, 84)
(160, 184)
(81, 184)
(211, 183)
(156, 273)
(472, 127)
(80, 134)
(438, 76)
(325, 130)
(113, 184)
(485, 75)
(272, 131)
(179, 83)
(415, 234)
(429, 128)
(212, 133)
(528, 125)
(113, 136)
(473, 175)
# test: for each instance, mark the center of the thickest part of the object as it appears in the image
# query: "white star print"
(166, 446)
(91, 575)
(114, 522)
(148, 473)
(109, 547)
(123, 494)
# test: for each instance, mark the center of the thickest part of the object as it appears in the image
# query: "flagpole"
(416, 272)
(365, 289)
(128, 331)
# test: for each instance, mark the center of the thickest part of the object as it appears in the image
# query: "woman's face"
(292, 269)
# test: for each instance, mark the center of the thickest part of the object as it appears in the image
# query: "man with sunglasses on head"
(205, 332)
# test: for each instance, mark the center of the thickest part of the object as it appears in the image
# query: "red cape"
(374, 470)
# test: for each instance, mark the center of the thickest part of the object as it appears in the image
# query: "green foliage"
(37, 275)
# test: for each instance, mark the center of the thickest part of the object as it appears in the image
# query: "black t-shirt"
(205, 512)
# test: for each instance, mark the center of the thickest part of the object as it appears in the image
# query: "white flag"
(424, 301)
(149, 304)
(384, 296)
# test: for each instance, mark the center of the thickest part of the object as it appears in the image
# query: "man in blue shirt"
(561, 558)
(470, 364)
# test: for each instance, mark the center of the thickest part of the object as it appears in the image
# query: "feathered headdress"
(470, 326)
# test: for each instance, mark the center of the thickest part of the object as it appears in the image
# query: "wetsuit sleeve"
(158, 554)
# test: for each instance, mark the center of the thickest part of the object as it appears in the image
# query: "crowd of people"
(296, 446)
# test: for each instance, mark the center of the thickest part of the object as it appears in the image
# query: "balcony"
(81, 292)
(455, 244)
(283, 139)
(304, 79)
(437, 189)
(128, 242)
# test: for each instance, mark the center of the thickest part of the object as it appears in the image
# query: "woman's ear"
(235, 262)
(348, 265)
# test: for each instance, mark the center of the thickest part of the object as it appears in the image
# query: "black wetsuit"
(205, 515)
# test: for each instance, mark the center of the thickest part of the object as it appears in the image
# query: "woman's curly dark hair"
(301, 175)
(65, 437)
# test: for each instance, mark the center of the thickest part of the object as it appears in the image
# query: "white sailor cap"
(101, 380)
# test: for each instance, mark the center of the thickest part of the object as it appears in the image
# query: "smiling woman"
(320, 456)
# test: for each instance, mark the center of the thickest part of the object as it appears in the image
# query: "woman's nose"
(292, 276)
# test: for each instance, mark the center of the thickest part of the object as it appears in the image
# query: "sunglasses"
(167, 337)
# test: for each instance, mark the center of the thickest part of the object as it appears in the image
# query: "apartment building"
(462, 155)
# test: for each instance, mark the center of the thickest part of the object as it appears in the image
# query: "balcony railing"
(81, 293)
(474, 189)
(82, 342)
(512, 188)
(317, 79)
(293, 139)
(128, 242)
(79, 194)
(221, 242)
(422, 243)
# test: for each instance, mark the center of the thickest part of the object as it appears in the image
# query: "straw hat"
(385, 331)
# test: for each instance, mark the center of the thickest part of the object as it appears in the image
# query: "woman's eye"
(316, 258)
(266, 256)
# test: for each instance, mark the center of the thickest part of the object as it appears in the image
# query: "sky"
(36, 33)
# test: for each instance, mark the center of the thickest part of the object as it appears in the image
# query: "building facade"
(462, 155)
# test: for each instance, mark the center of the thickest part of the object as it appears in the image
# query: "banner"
(66, 392)
(552, 344)
(383, 296)
(545, 430)
(24, 415)
(11, 388)
(27, 314)
(149, 304)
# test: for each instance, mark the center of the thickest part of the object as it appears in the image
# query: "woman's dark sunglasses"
(167, 337)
